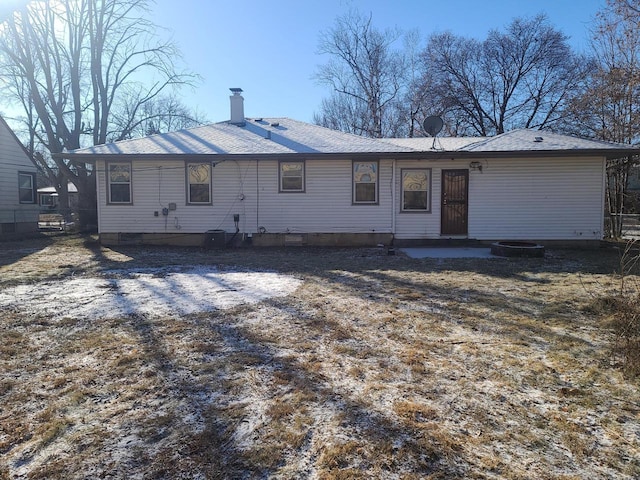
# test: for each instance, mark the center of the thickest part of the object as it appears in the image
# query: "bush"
(625, 311)
(626, 334)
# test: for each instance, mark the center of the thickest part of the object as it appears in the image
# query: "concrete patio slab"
(448, 252)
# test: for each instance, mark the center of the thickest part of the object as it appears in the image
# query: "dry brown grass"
(376, 367)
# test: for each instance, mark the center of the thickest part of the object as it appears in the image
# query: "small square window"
(365, 182)
(291, 176)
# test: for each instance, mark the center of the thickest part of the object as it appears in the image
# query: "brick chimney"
(237, 107)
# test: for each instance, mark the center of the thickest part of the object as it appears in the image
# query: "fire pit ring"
(517, 249)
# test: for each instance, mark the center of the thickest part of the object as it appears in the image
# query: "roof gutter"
(608, 153)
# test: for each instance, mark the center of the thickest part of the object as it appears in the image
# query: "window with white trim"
(365, 182)
(119, 182)
(416, 183)
(292, 176)
(199, 183)
(27, 187)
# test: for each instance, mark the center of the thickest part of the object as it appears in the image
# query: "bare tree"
(365, 75)
(162, 114)
(344, 113)
(629, 10)
(608, 108)
(520, 78)
(415, 103)
(75, 66)
(7, 7)
(453, 76)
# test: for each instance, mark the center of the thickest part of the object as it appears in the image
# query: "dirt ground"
(309, 363)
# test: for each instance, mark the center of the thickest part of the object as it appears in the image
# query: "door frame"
(465, 202)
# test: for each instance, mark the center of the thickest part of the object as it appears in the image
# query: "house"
(50, 215)
(18, 201)
(48, 198)
(278, 181)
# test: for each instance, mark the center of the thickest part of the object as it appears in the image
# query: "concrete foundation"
(212, 239)
(321, 239)
(257, 239)
(174, 239)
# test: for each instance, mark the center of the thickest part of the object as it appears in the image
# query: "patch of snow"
(149, 292)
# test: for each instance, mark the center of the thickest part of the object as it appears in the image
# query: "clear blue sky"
(269, 48)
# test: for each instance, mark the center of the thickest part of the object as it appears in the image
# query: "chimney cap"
(236, 91)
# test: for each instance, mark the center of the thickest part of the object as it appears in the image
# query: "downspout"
(393, 198)
(257, 198)
(100, 166)
(604, 199)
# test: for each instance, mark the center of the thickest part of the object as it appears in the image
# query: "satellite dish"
(432, 125)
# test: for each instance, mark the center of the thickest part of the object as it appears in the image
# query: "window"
(365, 182)
(27, 187)
(291, 176)
(47, 200)
(199, 183)
(415, 190)
(119, 182)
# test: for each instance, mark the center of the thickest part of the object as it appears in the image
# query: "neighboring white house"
(279, 181)
(48, 198)
(18, 200)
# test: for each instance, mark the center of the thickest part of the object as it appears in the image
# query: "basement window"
(292, 176)
(199, 183)
(365, 182)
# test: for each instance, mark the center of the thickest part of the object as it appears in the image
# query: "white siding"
(156, 184)
(13, 159)
(553, 199)
(518, 199)
(324, 207)
(416, 225)
(542, 199)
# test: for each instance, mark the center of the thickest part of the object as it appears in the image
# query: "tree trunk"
(87, 205)
(62, 187)
(617, 182)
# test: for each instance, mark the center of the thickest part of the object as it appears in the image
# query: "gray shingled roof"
(275, 136)
(521, 140)
(426, 144)
(537, 140)
(282, 136)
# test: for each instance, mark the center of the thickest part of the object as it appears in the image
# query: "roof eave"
(608, 153)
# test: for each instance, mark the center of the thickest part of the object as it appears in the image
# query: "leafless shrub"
(624, 308)
(626, 331)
